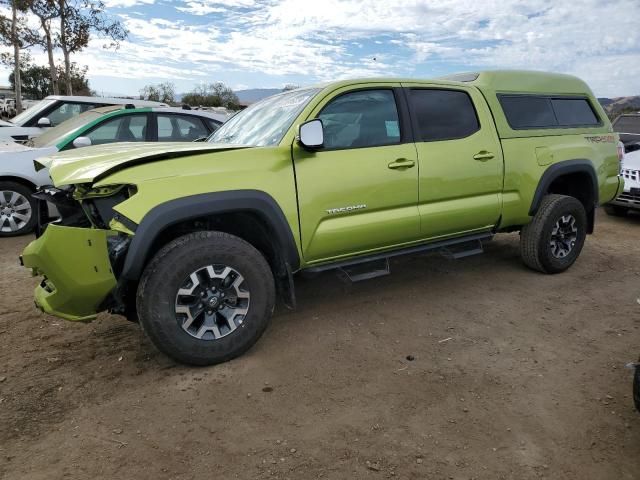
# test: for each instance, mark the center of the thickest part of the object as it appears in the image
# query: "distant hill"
(617, 105)
(254, 94)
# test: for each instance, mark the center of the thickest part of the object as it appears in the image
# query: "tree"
(15, 32)
(213, 95)
(163, 92)
(47, 11)
(78, 19)
(37, 80)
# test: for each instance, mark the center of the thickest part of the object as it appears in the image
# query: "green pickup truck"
(196, 240)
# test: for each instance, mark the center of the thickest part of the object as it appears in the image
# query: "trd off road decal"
(601, 138)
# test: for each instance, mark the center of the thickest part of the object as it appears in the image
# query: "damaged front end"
(81, 252)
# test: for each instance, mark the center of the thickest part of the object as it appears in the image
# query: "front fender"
(172, 212)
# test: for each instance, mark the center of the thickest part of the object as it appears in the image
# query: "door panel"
(352, 197)
(460, 159)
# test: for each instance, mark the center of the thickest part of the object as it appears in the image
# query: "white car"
(19, 178)
(54, 110)
(629, 199)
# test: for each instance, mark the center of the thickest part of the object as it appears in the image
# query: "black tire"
(167, 273)
(536, 247)
(616, 210)
(6, 229)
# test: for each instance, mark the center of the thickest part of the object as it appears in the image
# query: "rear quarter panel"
(526, 160)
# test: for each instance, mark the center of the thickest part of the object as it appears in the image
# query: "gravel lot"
(514, 375)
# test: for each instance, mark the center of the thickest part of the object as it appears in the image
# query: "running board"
(370, 266)
(463, 250)
(366, 271)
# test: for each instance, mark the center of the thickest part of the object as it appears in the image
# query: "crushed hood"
(90, 164)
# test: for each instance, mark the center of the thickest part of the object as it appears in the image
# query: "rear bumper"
(77, 272)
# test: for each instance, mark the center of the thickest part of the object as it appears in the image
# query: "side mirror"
(311, 134)
(44, 122)
(80, 142)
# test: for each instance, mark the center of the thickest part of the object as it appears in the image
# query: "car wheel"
(206, 298)
(554, 238)
(17, 209)
(616, 210)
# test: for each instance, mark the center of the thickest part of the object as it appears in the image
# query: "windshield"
(31, 112)
(264, 123)
(53, 135)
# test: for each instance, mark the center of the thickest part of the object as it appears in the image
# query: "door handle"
(401, 163)
(483, 156)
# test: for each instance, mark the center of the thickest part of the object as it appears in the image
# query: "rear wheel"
(616, 210)
(17, 209)
(554, 238)
(206, 298)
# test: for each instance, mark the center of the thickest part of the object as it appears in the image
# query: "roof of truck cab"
(521, 81)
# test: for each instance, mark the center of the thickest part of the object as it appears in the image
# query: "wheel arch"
(241, 205)
(570, 177)
(21, 180)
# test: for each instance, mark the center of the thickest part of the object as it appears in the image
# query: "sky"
(270, 43)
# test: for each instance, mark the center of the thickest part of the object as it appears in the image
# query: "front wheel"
(206, 298)
(554, 238)
(17, 209)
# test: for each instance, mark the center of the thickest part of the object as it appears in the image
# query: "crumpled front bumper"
(77, 272)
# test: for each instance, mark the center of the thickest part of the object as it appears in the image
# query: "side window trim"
(404, 123)
(549, 99)
(414, 118)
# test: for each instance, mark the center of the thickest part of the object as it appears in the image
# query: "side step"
(377, 265)
(366, 271)
(462, 250)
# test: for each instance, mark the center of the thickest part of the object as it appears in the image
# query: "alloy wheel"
(15, 211)
(563, 236)
(212, 302)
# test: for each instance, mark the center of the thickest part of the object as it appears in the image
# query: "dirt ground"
(514, 375)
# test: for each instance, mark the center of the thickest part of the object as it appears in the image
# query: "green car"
(196, 240)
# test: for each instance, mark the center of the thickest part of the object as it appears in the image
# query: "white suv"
(630, 197)
(54, 110)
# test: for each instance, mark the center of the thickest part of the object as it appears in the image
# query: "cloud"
(126, 3)
(319, 41)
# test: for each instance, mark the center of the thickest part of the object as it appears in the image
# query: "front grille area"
(629, 199)
(70, 211)
(629, 174)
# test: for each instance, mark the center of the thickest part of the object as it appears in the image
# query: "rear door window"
(180, 128)
(443, 114)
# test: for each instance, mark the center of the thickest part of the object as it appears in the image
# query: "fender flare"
(169, 213)
(559, 169)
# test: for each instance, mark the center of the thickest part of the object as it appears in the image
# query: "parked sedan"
(19, 179)
(53, 111)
